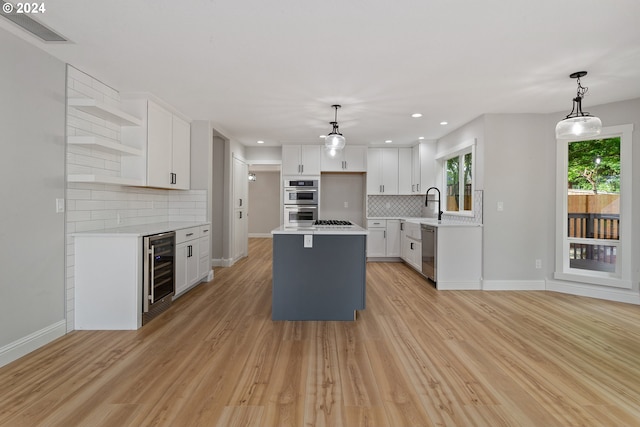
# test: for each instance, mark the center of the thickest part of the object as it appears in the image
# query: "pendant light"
(577, 123)
(334, 141)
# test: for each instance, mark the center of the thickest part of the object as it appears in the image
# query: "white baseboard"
(458, 286)
(513, 285)
(31, 342)
(585, 290)
(221, 262)
(261, 235)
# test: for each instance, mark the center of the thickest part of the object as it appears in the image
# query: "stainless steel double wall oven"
(300, 201)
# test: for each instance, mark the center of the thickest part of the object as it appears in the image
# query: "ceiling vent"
(26, 22)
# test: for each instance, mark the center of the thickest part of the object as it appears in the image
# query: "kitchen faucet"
(426, 201)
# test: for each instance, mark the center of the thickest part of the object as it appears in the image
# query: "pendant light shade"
(334, 141)
(578, 123)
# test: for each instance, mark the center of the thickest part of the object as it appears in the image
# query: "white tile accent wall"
(98, 206)
(390, 206)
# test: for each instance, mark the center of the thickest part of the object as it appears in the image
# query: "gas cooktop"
(332, 222)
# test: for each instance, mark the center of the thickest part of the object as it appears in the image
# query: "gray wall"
(32, 127)
(519, 171)
(264, 203)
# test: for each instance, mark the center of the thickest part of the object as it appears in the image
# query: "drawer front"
(205, 230)
(186, 234)
(376, 223)
(413, 230)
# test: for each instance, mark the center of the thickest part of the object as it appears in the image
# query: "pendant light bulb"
(334, 140)
(578, 123)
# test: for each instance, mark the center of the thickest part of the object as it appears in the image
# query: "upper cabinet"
(166, 139)
(382, 171)
(350, 159)
(301, 160)
(427, 166)
(405, 175)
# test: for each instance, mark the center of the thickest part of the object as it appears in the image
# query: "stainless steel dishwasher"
(429, 252)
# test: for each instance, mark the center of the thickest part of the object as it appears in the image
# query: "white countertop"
(322, 229)
(141, 230)
(432, 221)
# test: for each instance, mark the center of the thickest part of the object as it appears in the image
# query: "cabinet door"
(393, 238)
(240, 234)
(390, 171)
(193, 260)
(181, 267)
(204, 263)
(329, 163)
(374, 171)
(181, 158)
(427, 165)
(415, 169)
(159, 146)
(355, 159)
(404, 253)
(240, 183)
(310, 159)
(376, 247)
(291, 160)
(404, 171)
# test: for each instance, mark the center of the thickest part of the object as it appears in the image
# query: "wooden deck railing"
(594, 226)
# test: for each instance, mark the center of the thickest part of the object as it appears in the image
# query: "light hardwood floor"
(414, 357)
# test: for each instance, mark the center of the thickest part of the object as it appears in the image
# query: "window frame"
(460, 150)
(621, 277)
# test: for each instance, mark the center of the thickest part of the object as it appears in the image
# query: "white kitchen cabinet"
(187, 258)
(405, 172)
(204, 244)
(411, 244)
(427, 166)
(415, 169)
(383, 240)
(382, 171)
(166, 139)
(349, 159)
(301, 160)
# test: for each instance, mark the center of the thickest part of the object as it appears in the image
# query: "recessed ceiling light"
(260, 142)
(388, 141)
(421, 137)
(416, 115)
(444, 123)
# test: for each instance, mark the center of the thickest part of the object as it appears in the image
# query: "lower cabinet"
(192, 257)
(383, 240)
(411, 244)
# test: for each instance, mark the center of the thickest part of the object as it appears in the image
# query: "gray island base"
(323, 282)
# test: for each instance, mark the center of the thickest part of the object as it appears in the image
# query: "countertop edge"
(140, 230)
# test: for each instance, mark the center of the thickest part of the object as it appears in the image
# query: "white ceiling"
(270, 70)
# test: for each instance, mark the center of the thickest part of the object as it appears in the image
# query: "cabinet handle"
(240, 202)
(384, 234)
(240, 215)
(383, 188)
(302, 168)
(401, 226)
(418, 188)
(189, 234)
(205, 231)
(411, 245)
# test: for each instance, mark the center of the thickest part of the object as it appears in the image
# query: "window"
(457, 167)
(594, 213)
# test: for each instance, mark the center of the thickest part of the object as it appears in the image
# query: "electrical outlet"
(346, 205)
(59, 205)
(538, 263)
(500, 206)
(308, 240)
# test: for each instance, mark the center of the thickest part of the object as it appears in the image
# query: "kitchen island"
(319, 272)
